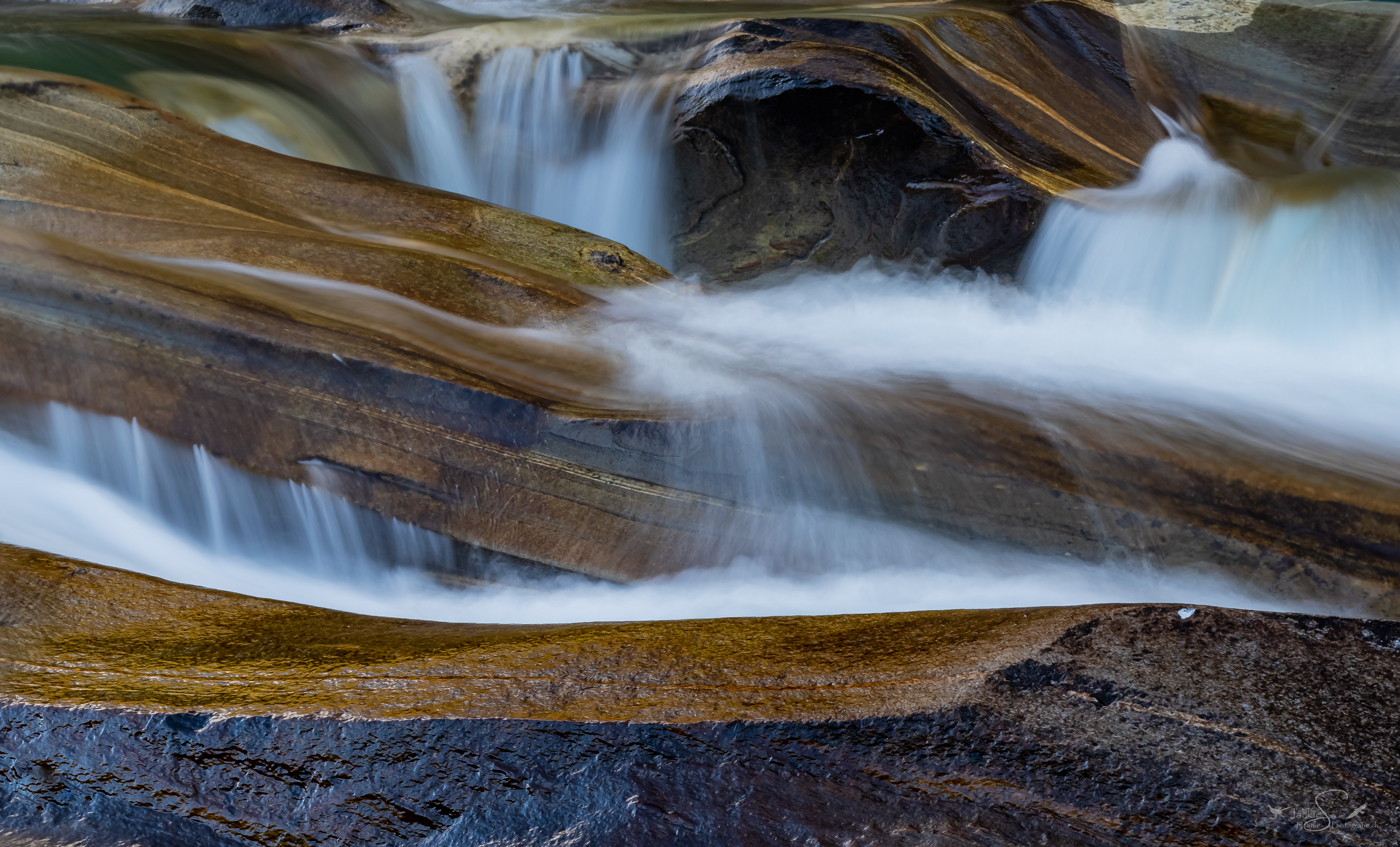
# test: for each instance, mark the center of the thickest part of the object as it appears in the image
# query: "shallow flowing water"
(1261, 313)
(1289, 379)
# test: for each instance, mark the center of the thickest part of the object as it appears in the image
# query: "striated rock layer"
(132, 708)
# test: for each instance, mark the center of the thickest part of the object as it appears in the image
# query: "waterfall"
(436, 133)
(1197, 244)
(106, 489)
(544, 139)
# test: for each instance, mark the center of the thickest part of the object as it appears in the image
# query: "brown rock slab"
(135, 708)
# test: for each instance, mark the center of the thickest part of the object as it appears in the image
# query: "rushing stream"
(1264, 312)
(1191, 342)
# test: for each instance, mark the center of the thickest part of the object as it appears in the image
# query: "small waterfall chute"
(1197, 244)
(545, 138)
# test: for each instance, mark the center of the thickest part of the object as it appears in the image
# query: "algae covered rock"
(134, 708)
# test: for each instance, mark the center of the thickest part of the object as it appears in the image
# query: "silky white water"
(107, 490)
(1176, 293)
(1280, 373)
(103, 490)
(542, 140)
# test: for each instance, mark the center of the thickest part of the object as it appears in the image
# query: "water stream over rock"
(366, 365)
(787, 363)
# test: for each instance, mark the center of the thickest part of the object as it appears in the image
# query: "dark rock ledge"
(134, 710)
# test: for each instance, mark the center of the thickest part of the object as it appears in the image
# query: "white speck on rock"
(1185, 613)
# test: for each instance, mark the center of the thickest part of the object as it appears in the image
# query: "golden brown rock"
(134, 708)
(96, 165)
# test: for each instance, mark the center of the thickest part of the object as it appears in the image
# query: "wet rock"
(131, 708)
(326, 15)
(1054, 474)
(1276, 87)
(940, 135)
(833, 175)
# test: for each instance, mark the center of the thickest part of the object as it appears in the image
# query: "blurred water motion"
(104, 490)
(1208, 322)
(536, 143)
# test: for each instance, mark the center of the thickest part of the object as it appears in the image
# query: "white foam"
(74, 513)
(536, 141)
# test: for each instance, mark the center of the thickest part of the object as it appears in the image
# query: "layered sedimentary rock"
(135, 708)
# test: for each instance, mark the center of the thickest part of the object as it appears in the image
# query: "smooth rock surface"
(132, 708)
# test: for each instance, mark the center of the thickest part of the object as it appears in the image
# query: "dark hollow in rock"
(834, 174)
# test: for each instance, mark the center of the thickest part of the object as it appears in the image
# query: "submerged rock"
(132, 708)
(1276, 87)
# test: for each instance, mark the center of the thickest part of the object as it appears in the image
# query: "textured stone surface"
(832, 175)
(137, 709)
(938, 133)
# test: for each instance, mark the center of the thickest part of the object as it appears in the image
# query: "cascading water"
(436, 132)
(105, 489)
(793, 361)
(541, 138)
(1177, 317)
(1197, 244)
